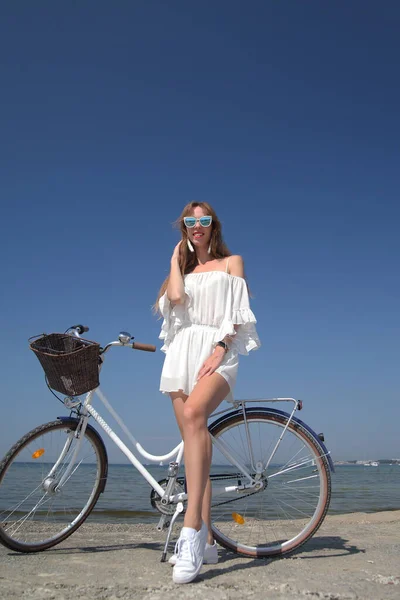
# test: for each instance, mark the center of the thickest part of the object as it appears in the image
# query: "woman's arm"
(216, 358)
(176, 288)
(236, 267)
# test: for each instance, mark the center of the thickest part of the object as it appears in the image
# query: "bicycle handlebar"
(144, 347)
(79, 329)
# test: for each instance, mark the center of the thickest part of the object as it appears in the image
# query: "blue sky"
(284, 116)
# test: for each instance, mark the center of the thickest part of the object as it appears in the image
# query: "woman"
(207, 323)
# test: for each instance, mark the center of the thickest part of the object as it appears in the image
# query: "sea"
(355, 488)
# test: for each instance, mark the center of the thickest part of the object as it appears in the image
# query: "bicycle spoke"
(294, 492)
(43, 512)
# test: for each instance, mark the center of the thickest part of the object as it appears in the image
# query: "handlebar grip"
(144, 347)
(80, 328)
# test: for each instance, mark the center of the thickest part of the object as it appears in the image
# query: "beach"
(351, 556)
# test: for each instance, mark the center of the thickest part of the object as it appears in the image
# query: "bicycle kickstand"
(179, 509)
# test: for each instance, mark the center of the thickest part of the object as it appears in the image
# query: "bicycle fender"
(282, 413)
(100, 440)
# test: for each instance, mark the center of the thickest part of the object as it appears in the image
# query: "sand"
(351, 556)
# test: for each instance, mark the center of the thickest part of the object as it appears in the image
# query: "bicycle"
(271, 481)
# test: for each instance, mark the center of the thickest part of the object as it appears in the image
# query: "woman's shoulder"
(235, 258)
(236, 265)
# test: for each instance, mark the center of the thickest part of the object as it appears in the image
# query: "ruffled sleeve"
(174, 315)
(238, 312)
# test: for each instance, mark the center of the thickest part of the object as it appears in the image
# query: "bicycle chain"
(180, 481)
(233, 499)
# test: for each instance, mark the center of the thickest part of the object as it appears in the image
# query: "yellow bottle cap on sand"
(38, 453)
(238, 518)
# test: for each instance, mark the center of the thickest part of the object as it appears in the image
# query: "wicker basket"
(71, 364)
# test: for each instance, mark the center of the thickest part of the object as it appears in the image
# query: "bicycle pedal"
(163, 523)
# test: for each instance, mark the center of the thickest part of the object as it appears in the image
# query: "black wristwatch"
(223, 345)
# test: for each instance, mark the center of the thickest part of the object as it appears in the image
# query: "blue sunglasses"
(190, 222)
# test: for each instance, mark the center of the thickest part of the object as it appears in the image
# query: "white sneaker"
(189, 550)
(210, 555)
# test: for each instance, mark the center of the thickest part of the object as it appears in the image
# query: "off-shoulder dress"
(215, 301)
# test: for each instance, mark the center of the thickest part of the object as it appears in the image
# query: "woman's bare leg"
(206, 511)
(210, 391)
(178, 402)
(204, 399)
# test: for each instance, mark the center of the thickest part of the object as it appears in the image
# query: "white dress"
(215, 302)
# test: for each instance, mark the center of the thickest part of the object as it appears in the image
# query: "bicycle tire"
(33, 515)
(295, 495)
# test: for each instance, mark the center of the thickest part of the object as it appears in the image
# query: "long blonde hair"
(187, 259)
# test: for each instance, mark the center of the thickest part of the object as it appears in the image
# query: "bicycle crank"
(155, 499)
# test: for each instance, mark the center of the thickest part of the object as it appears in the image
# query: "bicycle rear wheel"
(295, 491)
(34, 513)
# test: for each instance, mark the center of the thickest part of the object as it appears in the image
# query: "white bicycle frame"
(177, 453)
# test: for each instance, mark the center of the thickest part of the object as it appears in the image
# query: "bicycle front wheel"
(294, 491)
(35, 511)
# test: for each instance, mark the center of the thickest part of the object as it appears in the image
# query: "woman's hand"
(175, 254)
(176, 287)
(212, 363)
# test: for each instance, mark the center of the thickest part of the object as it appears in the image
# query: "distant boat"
(373, 463)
